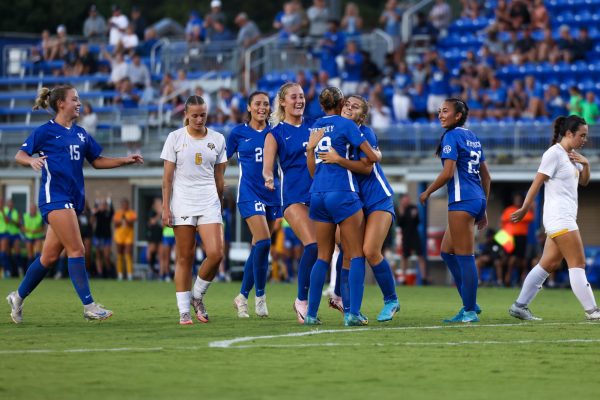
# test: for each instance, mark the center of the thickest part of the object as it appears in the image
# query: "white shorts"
(209, 217)
(558, 227)
(434, 102)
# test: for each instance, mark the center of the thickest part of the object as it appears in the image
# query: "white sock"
(200, 288)
(582, 289)
(183, 301)
(333, 275)
(532, 285)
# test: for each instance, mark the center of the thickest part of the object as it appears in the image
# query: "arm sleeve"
(548, 164)
(222, 156)
(354, 135)
(168, 151)
(231, 143)
(449, 146)
(93, 149)
(34, 142)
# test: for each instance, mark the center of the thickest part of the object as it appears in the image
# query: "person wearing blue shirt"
(62, 146)
(286, 143)
(467, 177)
(334, 201)
(332, 45)
(376, 195)
(259, 206)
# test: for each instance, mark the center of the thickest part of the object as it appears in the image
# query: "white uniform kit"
(194, 198)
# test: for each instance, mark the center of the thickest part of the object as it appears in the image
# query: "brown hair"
(254, 94)
(278, 113)
(563, 124)
(331, 98)
(50, 97)
(459, 107)
(365, 106)
(192, 101)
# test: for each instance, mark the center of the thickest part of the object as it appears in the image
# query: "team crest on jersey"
(211, 146)
(81, 137)
(447, 149)
(198, 158)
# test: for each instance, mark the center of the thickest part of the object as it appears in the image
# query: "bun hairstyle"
(459, 107)
(256, 93)
(563, 124)
(50, 97)
(331, 98)
(192, 101)
(278, 113)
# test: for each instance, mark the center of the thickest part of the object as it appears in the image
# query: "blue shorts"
(290, 238)
(386, 204)
(333, 207)
(251, 208)
(45, 209)
(102, 242)
(168, 241)
(33, 240)
(4, 235)
(475, 207)
(13, 238)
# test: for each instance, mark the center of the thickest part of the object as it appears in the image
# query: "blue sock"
(469, 281)
(79, 277)
(3, 261)
(261, 265)
(385, 280)
(338, 274)
(34, 275)
(454, 267)
(309, 257)
(289, 265)
(317, 280)
(345, 289)
(356, 280)
(248, 278)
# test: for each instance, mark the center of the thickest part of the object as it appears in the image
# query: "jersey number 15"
(74, 152)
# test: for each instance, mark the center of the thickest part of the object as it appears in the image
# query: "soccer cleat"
(185, 319)
(523, 313)
(301, 308)
(96, 312)
(308, 320)
(459, 315)
(240, 303)
(355, 320)
(390, 308)
(199, 310)
(590, 316)
(336, 303)
(363, 318)
(260, 306)
(16, 307)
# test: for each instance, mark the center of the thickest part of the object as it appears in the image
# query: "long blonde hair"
(50, 97)
(278, 113)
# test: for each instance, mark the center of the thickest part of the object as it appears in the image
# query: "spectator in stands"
(370, 70)
(518, 230)
(440, 16)
(425, 29)
(70, 58)
(381, 115)
(589, 109)
(390, 19)
(494, 99)
(102, 214)
(438, 85)
(118, 68)
(167, 90)
(517, 99)
(471, 9)
(401, 104)
(353, 67)
(352, 22)
(59, 47)
(419, 72)
(313, 108)
(138, 73)
(473, 94)
(555, 104)
(248, 33)
(117, 23)
(418, 101)
(332, 45)
(138, 22)
(318, 16)
(194, 29)
(199, 91)
(539, 15)
(129, 41)
(89, 119)
(546, 49)
(182, 85)
(227, 108)
(502, 15)
(219, 33)
(215, 13)
(565, 43)
(496, 46)
(519, 15)
(525, 47)
(127, 96)
(289, 23)
(46, 45)
(94, 26)
(124, 220)
(582, 45)
(575, 105)
(86, 62)
(535, 96)
(150, 39)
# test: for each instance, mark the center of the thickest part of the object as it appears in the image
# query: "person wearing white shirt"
(561, 171)
(193, 183)
(118, 24)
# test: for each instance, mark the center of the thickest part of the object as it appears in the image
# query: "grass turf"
(142, 352)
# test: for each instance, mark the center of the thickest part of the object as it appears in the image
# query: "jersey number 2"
(259, 154)
(474, 163)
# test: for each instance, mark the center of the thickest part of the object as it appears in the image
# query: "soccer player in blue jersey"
(287, 142)
(467, 177)
(259, 206)
(335, 201)
(377, 196)
(62, 146)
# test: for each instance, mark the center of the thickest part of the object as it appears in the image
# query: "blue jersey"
(341, 134)
(62, 175)
(462, 146)
(249, 143)
(291, 150)
(373, 187)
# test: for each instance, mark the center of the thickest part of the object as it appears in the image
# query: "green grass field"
(142, 352)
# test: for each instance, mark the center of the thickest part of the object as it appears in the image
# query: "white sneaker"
(260, 306)
(301, 308)
(185, 319)
(200, 310)
(590, 316)
(16, 307)
(240, 303)
(96, 312)
(525, 313)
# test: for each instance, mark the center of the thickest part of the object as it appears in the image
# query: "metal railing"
(206, 57)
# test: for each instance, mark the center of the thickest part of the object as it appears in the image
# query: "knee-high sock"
(454, 267)
(261, 265)
(34, 275)
(308, 259)
(385, 280)
(129, 264)
(338, 273)
(317, 280)
(356, 279)
(120, 264)
(248, 278)
(532, 285)
(79, 278)
(345, 289)
(582, 289)
(468, 274)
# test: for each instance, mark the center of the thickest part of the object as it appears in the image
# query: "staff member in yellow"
(12, 241)
(4, 264)
(124, 219)
(33, 230)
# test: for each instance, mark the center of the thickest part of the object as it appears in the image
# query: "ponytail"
(50, 97)
(563, 124)
(331, 98)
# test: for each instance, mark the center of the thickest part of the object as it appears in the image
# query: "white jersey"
(194, 188)
(560, 192)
